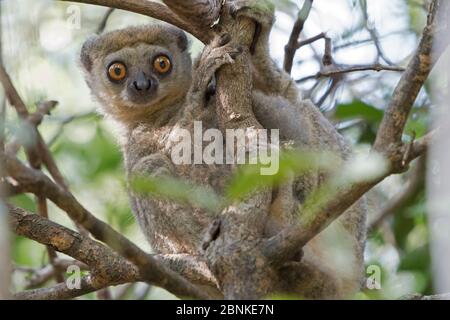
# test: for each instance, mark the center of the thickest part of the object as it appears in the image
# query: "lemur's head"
(137, 71)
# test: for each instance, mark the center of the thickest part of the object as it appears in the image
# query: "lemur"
(143, 79)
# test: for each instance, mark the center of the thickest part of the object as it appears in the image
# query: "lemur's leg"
(268, 77)
(305, 125)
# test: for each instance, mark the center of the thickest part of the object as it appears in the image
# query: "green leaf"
(418, 124)
(248, 178)
(359, 110)
(416, 260)
(24, 201)
(177, 190)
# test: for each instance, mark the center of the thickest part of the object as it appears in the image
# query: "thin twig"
(374, 36)
(350, 69)
(415, 184)
(306, 42)
(104, 21)
(293, 45)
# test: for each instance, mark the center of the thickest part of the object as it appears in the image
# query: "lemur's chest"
(186, 149)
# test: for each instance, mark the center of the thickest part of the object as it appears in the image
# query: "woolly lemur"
(142, 78)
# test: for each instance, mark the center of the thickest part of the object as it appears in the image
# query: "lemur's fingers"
(217, 54)
(219, 41)
(216, 58)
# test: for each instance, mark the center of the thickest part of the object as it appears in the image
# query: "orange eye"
(162, 64)
(117, 71)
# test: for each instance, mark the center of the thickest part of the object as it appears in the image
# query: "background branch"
(104, 21)
(293, 43)
(415, 184)
(341, 197)
(417, 72)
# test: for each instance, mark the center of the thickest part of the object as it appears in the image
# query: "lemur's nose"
(142, 83)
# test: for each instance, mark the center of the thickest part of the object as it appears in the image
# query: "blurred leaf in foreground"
(248, 178)
(178, 190)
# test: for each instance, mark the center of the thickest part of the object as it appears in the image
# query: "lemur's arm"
(156, 214)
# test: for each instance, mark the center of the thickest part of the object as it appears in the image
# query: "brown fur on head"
(144, 90)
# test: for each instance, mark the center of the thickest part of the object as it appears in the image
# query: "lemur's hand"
(215, 55)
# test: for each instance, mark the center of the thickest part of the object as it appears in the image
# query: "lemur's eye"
(162, 64)
(117, 71)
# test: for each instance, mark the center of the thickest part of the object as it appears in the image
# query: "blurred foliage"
(41, 54)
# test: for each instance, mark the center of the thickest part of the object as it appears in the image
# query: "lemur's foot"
(262, 12)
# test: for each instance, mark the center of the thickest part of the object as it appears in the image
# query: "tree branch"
(40, 151)
(339, 70)
(151, 270)
(41, 276)
(321, 213)
(101, 27)
(445, 296)
(303, 43)
(107, 267)
(203, 13)
(391, 129)
(58, 292)
(155, 10)
(416, 182)
(293, 43)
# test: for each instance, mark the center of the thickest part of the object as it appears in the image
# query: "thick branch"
(409, 86)
(107, 267)
(151, 9)
(151, 270)
(193, 268)
(204, 13)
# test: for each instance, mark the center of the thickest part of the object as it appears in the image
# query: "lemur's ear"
(182, 40)
(85, 55)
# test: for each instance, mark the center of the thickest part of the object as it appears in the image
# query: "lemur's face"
(140, 76)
